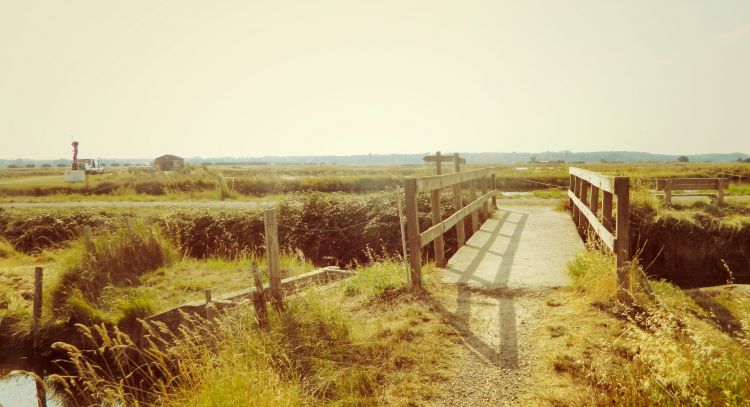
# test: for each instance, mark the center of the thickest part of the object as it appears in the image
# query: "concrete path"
(519, 247)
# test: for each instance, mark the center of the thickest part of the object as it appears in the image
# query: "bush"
(116, 258)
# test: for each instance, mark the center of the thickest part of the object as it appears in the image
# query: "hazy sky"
(140, 78)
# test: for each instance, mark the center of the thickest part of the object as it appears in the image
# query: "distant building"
(169, 162)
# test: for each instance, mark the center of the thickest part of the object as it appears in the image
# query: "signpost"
(438, 159)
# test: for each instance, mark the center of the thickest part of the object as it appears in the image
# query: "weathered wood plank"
(274, 257)
(605, 235)
(602, 182)
(688, 183)
(456, 218)
(622, 242)
(439, 245)
(430, 183)
(412, 233)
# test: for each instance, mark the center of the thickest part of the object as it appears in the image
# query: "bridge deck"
(520, 246)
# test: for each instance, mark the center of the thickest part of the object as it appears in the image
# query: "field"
(142, 260)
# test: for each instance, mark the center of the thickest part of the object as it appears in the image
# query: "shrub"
(117, 258)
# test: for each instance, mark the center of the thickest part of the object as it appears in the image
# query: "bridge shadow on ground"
(495, 245)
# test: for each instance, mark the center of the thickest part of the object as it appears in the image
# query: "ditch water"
(18, 389)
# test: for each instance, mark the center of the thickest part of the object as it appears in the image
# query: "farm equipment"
(89, 165)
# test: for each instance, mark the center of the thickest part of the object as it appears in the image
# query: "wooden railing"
(692, 184)
(614, 232)
(483, 179)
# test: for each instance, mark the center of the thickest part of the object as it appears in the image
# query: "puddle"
(19, 390)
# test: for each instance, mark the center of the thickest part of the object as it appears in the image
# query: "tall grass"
(115, 258)
(670, 352)
(316, 352)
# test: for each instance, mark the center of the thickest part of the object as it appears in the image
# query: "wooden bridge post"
(439, 244)
(668, 191)
(412, 231)
(493, 186)
(576, 211)
(485, 208)
(584, 226)
(607, 211)
(259, 300)
(274, 261)
(36, 313)
(458, 203)
(622, 242)
(721, 185)
(472, 198)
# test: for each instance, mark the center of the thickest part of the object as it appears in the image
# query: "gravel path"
(506, 291)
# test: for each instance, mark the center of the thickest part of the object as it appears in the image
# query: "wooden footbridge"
(517, 246)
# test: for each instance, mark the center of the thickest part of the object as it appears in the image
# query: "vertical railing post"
(594, 203)
(412, 231)
(259, 300)
(609, 222)
(721, 185)
(485, 207)
(622, 242)
(458, 203)
(585, 200)
(668, 191)
(274, 260)
(493, 187)
(472, 198)
(577, 212)
(438, 244)
(36, 313)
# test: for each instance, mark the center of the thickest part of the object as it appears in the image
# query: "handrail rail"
(614, 232)
(681, 184)
(434, 184)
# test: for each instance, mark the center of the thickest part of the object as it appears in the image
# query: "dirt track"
(506, 291)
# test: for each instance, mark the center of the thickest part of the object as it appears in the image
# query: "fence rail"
(483, 179)
(613, 231)
(692, 184)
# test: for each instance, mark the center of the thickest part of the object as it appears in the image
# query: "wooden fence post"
(607, 211)
(412, 227)
(272, 252)
(207, 294)
(485, 208)
(622, 242)
(438, 244)
(259, 300)
(493, 187)
(668, 191)
(585, 200)
(472, 198)
(458, 203)
(721, 186)
(402, 225)
(37, 307)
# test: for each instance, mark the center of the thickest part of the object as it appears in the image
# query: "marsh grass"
(329, 347)
(675, 351)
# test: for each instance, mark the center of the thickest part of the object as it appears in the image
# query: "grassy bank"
(694, 244)
(686, 348)
(363, 341)
(325, 227)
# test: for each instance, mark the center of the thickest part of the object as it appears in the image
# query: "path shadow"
(506, 355)
(722, 317)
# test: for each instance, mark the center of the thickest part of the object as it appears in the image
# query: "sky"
(141, 78)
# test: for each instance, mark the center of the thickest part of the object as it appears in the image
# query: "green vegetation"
(332, 345)
(687, 348)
